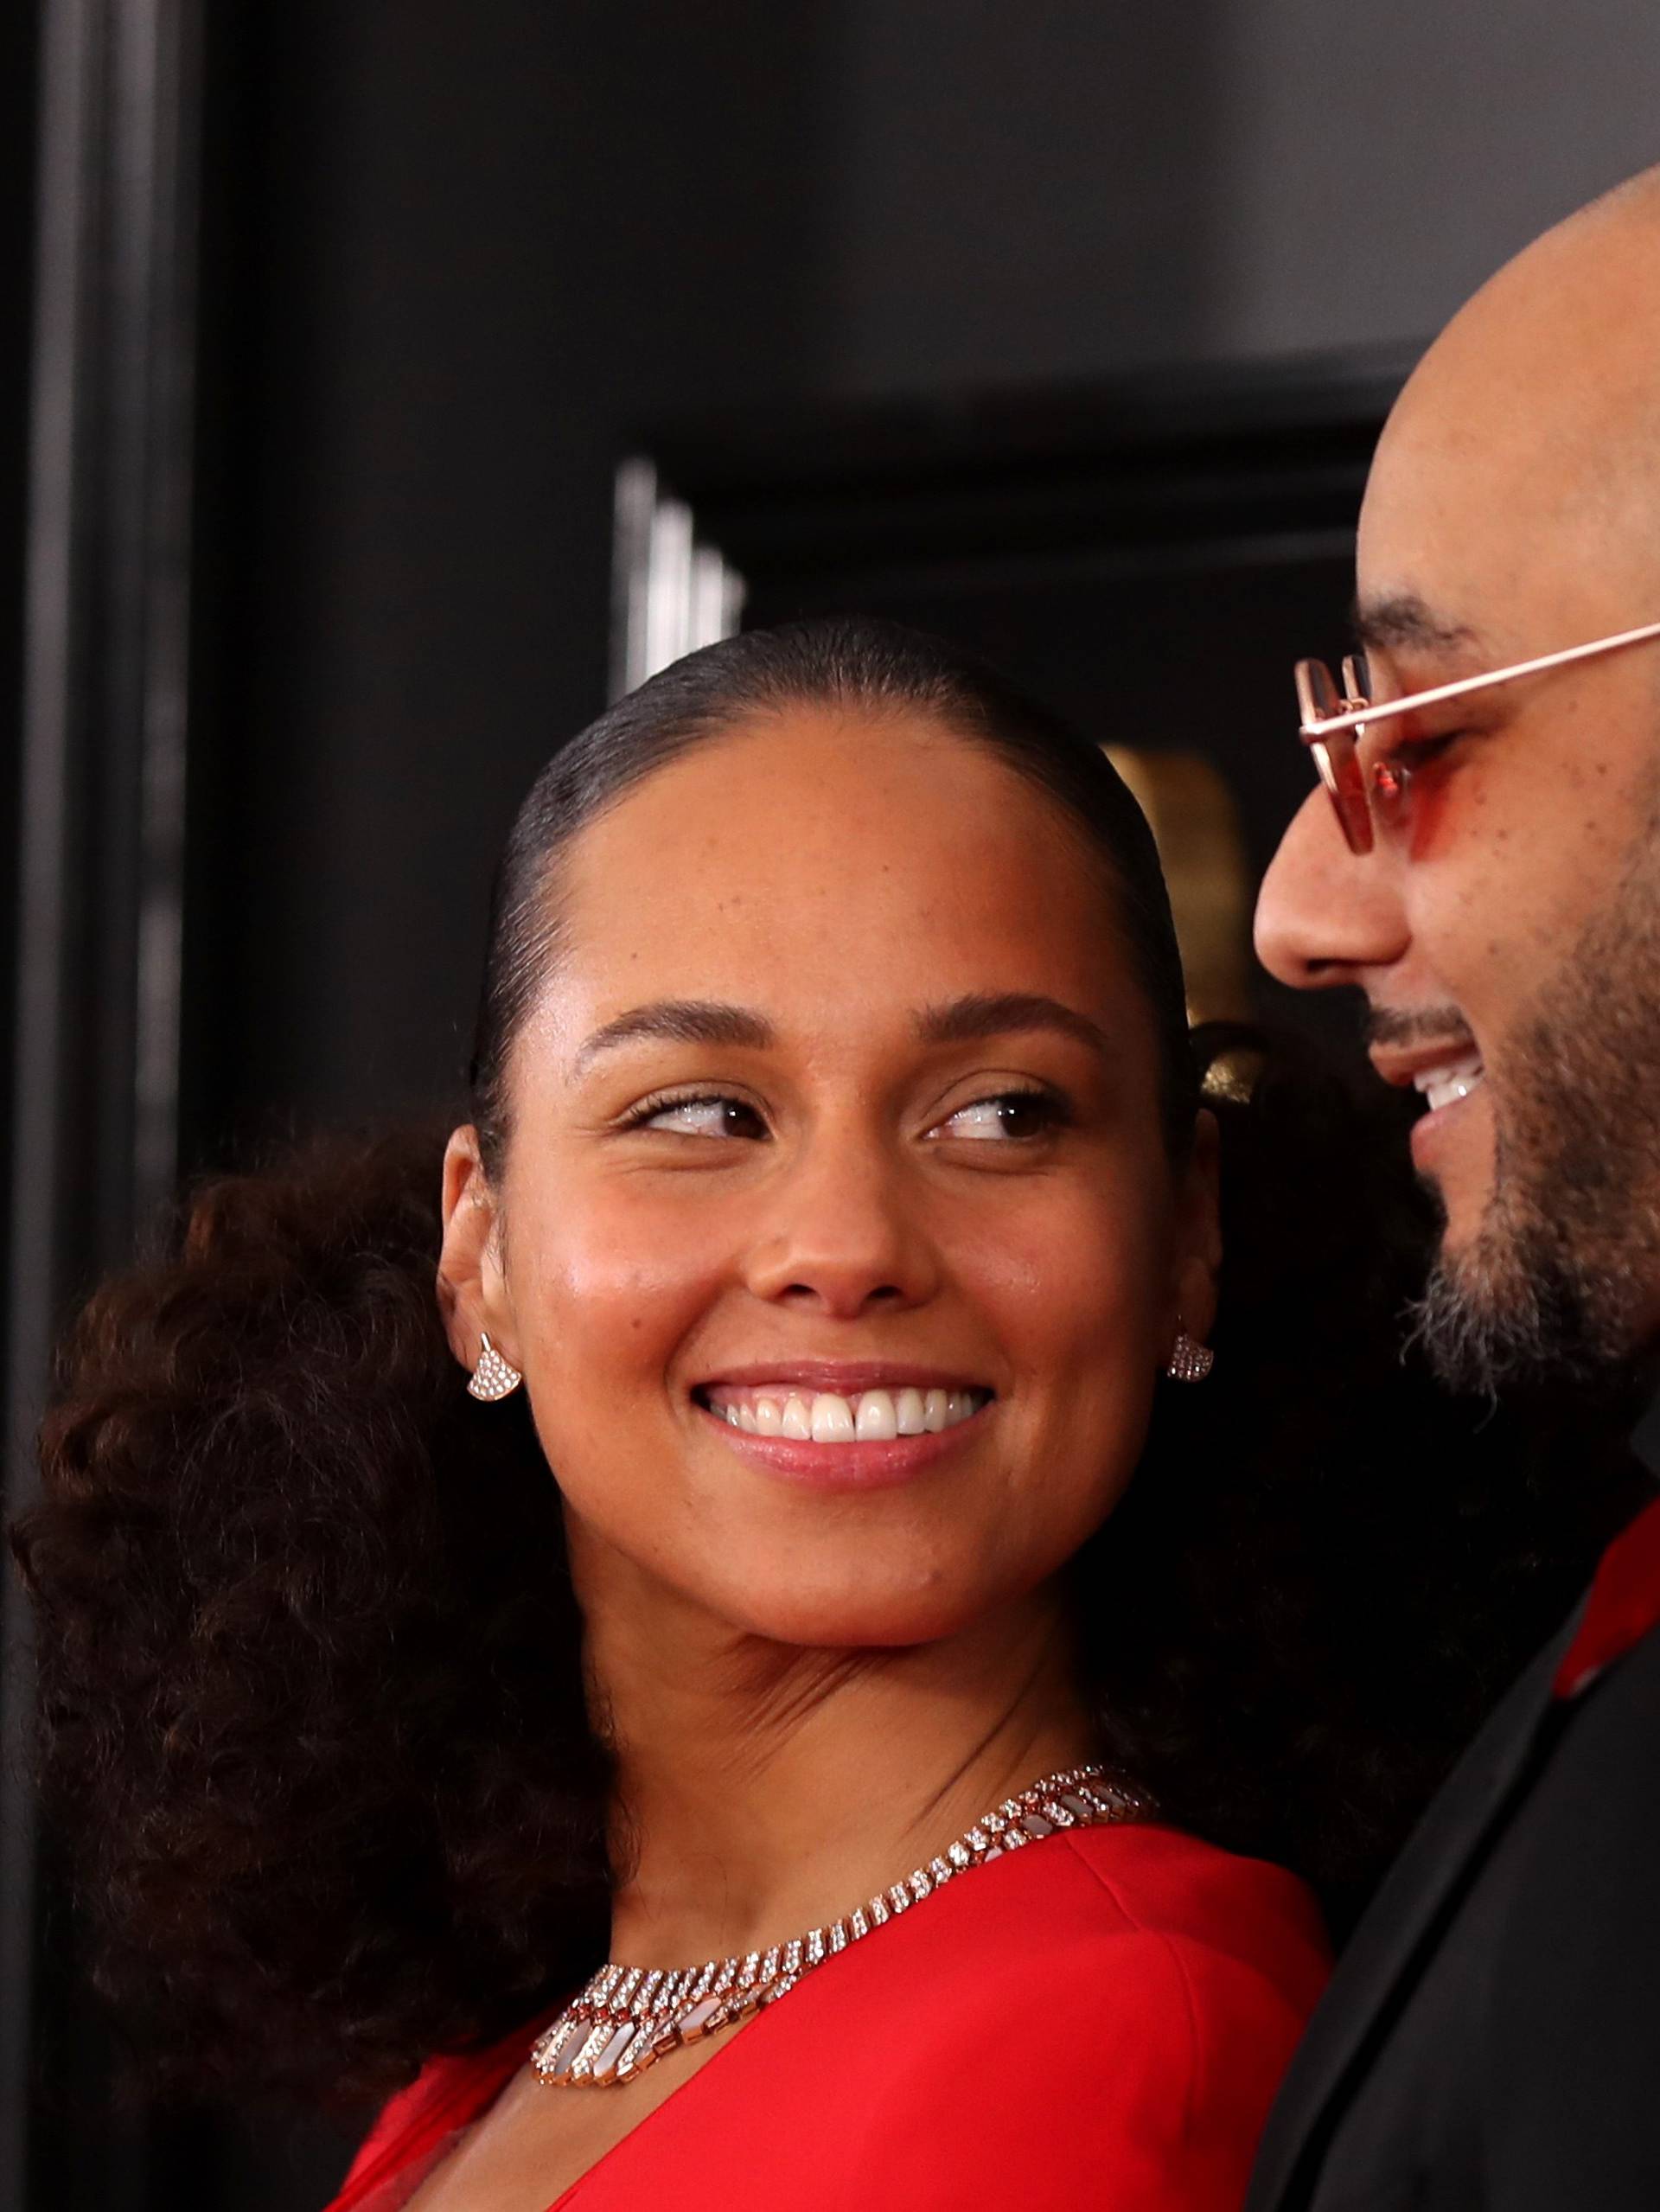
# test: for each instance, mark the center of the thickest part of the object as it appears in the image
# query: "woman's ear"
(472, 1284)
(1199, 1231)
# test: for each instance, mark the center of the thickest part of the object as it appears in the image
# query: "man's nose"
(1324, 913)
(846, 1238)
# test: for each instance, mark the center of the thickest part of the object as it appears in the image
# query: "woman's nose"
(1325, 916)
(843, 1236)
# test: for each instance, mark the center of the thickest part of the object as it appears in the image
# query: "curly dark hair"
(309, 1657)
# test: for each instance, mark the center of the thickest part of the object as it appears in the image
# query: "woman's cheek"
(611, 1287)
(1069, 1299)
(1053, 1277)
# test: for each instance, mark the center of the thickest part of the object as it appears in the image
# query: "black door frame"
(100, 863)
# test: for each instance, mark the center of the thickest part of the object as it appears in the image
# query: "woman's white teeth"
(833, 1419)
(877, 1420)
(827, 1417)
(1444, 1086)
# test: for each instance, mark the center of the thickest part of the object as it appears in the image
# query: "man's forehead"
(1512, 500)
(1438, 555)
(1477, 549)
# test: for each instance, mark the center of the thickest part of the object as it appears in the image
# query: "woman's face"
(839, 1113)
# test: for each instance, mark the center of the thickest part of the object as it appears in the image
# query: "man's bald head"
(1506, 932)
(1537, 410)
(1586, 293)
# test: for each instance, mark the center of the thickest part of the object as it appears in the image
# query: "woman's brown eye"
(1010, 1114)
(708, 1116)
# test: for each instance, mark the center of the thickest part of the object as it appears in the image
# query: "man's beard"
(1562, 1278)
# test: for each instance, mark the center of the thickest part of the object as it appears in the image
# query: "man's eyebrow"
(1405, 620)
(965, 1020)
(678, 1022)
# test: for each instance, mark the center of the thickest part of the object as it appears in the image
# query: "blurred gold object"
(1233, 1074)
(1197, 827)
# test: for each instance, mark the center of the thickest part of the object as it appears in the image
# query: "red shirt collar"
(1623, 1606)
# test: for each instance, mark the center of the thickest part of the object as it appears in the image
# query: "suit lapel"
(1378, 1961)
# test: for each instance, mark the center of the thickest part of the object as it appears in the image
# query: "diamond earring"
(493, 1378)
(1190, 1361)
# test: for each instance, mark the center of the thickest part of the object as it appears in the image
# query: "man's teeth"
(827, 1417)
(1444, 1086)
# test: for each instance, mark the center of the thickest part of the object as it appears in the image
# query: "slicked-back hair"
(856, 667)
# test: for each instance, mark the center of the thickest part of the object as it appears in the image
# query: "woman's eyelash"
(1049, 1109)
(668, 1102)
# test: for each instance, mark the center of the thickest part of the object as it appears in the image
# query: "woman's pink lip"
(842, 1378)
(873, 1465)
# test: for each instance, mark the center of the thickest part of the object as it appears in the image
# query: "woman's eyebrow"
(680, 1021)
(965, 1020)
(959, 1021)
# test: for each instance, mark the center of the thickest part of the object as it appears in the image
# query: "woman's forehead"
(835, 877)
(819, 841)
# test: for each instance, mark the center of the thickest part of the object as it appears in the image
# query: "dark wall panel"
(463, 266)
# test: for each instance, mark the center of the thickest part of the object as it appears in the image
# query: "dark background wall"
(18, 59)
(459, 251)
(457, 260)
(465, 258)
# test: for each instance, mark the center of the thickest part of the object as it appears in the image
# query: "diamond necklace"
(628, 2018)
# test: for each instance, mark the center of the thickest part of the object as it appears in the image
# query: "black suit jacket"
(1491, 2041)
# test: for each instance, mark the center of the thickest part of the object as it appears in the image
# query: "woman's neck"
(764, 1789)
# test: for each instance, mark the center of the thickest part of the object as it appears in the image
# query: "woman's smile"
(835, 1428)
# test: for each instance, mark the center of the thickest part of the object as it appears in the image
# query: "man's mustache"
(1395, 1027)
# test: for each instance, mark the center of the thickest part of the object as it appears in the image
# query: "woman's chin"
(856, 1619)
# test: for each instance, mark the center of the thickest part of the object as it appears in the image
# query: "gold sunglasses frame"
(1339, 765)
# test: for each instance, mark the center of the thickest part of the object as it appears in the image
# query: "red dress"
(1100, 2019)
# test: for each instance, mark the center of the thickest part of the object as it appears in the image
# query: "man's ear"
(1199, 1231)
(472, 1284)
